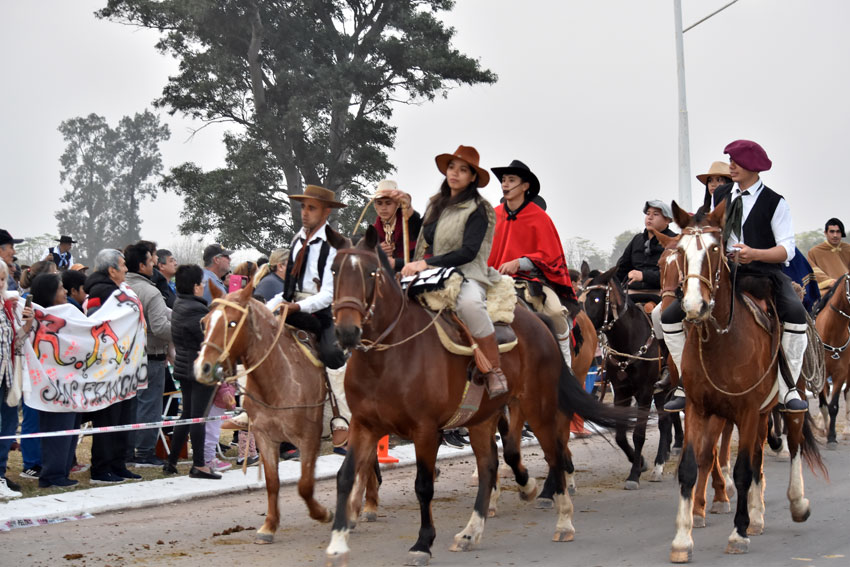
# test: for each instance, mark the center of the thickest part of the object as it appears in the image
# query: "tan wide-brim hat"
(385, 187)
(320, 194)
(719, 168)
(470, 156)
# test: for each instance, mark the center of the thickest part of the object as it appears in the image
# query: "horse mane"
(824, 301)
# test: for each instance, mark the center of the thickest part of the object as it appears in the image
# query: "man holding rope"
(394, 211)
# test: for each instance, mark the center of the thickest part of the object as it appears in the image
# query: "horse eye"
(596, 300)
(372, 275)
(231, 324)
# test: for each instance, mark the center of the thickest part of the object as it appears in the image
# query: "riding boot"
(794, 342)
(488, 364)
(566, 344)
(664, 382)
(674, 338)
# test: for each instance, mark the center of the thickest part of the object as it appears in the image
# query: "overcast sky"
(586, 97)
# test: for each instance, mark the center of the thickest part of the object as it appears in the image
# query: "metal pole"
(684, 144)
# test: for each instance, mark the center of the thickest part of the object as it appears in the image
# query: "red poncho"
(532, 235)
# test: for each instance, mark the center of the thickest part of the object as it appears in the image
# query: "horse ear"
(371, 237)
(215, 292)
(666, 241)
(718, 215)
(247, 292)
(585, 270)
(606, 276)
(681, 217)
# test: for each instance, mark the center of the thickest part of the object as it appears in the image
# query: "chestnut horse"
(671, 266)
(632, 364)
(833, 325)
(284, 394)
(729, 370)
(401, 380)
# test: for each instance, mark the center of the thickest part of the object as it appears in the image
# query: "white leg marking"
(470, 535)
(796, 490)
(339, 543)
(564, 530)
(684, 525)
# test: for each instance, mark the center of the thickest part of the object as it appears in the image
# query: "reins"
(367, 310)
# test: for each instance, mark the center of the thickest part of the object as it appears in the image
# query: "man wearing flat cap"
(61, 253)
(308, 286)
(759, 230)
(830, 259)
(527, 247)
(638, 266)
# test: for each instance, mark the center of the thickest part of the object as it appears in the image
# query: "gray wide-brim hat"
(661, 205)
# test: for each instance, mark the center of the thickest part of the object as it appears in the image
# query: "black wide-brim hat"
(521, 170)
(65, 239)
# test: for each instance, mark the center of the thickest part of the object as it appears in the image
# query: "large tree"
(312, 85)
(106, 172)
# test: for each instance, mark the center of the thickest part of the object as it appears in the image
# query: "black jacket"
(98, 286)
(642, 254)
(186, 333)
(161, 284)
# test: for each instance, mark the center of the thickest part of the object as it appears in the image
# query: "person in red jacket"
(527, 247)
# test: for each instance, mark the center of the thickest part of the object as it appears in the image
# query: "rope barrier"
(128, 427)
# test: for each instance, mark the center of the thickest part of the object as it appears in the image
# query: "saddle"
(535, 293)
(437, 289)
(307, 342)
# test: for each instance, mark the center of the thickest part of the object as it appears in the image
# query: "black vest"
(756, 231)
(295, 282)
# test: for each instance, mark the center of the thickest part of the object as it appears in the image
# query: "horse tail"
(809, 449)
(574, 400)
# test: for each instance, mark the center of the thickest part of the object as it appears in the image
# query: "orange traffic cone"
(577, 427)
(383, 450)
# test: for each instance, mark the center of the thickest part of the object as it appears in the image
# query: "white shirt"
(780, 223)
(319, 298)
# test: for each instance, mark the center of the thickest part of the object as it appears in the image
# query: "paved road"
(614, 527)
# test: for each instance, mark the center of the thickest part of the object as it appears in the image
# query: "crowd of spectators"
(174, 298)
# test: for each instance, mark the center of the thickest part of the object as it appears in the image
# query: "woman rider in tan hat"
(458, 232)
(718, 174)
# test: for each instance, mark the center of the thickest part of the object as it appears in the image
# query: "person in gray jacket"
(140, 264)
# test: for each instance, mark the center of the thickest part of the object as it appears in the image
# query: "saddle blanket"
(438, 288)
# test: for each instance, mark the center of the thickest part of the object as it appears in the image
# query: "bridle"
(670, 290)
(615, 315)
(713, 286)
(359, 304)
(838, 351)
(221, 304)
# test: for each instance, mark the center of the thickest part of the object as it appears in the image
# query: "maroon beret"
(748, 155)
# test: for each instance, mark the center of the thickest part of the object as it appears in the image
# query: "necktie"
(299, 261)
(735, 217)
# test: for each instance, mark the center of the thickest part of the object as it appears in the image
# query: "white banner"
(76, 363)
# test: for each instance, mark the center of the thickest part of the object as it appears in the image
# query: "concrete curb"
(130, 495)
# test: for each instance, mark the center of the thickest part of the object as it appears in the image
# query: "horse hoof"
(755, 529)
(263, 539)
(656, 476)
(832, 445)
(564, 535)
(631, 485)
(804, 515)
(682, 555)
(544, 504)
(337, 560)
(370, 516)
(462, 543)
(675, 452)
(721, 508)
(491, 513)
(418, 558)
(699, 521)
(571, 489)
(738, 546)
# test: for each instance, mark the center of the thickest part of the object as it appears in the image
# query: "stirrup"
(497, 384)
(676, 403)
(794, 405)
(663, 383)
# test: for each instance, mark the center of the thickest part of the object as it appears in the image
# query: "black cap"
(6, 238)
(214, 250)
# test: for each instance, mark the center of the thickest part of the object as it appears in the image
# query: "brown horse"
(284, 395)
(671, 264)
(833, 326)
(729, 370)
(401, 380)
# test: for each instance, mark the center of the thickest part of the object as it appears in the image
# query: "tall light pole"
(684, 135)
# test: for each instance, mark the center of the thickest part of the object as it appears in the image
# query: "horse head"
(359, 273)
(603, 299)
(702, 247)
(224, 339)
(670, 267)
